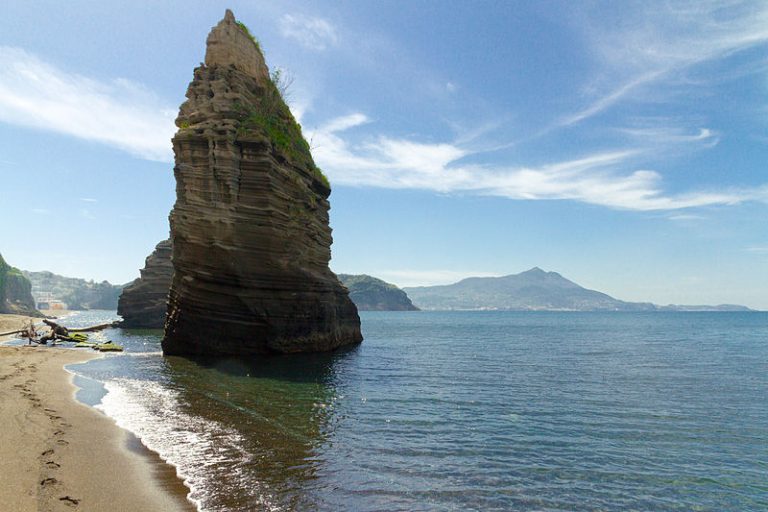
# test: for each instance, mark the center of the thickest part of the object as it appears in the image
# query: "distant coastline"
(536, 290)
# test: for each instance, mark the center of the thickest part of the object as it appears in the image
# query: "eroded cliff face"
(144, 302)
(15, 292)
(250, 235)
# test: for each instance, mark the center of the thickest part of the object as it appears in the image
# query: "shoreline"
(61, 454)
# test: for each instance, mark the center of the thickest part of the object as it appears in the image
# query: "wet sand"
(57, 454)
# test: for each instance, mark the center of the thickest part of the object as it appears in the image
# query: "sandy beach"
(58, 454)
(13, 322)
(10, 323)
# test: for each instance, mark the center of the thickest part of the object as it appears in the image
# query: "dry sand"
(10, 323)
(57, 454)
(14, 322)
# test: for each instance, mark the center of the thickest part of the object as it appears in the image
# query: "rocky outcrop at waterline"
(250, 234)
(144, 302)
(15, 292)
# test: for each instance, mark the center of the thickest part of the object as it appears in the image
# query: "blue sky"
(622, 144)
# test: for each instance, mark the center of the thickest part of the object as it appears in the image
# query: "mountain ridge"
(533, 290)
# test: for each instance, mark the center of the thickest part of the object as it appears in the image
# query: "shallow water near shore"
(463, 411)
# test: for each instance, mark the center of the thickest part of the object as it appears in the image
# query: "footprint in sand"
(46, 453)
(49, 481)
(52, 465)
(69, 500)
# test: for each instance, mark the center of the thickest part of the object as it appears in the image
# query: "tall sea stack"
(249, 230)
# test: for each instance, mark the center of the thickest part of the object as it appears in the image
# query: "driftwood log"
(56, 329)
(13, 332)
(63, 331)
(99, 327)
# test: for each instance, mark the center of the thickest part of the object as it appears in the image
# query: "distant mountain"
(533, 290)
(372, 294)
(76, 293)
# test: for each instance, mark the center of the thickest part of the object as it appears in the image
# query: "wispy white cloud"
(118, 113)
(685, 217)
(670, 135)
(607, 178)
(311, 32)
(758, 250)
(89, 200)
(662, 43)
(40, 211)
(609, 99)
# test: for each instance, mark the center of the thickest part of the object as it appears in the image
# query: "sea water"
(463, 411)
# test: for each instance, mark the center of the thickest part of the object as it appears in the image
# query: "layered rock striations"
(144, 302)
(15, 292)
(250, 234)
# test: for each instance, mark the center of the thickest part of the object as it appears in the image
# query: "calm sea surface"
(464, 411)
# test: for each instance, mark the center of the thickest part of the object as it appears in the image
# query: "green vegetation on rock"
(247, 31)
(15, 291)
(272, 118)
(4, 268)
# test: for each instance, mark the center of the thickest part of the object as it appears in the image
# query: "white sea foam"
(208, 456)
(157, 353)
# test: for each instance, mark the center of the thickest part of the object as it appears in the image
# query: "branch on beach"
(10, 333)
(99, 327)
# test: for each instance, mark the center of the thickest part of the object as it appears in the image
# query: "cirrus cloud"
(607, 178)
(118, 113)
(311, 32)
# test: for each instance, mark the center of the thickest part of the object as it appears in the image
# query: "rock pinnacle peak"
(231, 44)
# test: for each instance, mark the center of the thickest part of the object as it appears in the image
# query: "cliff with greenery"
(372, 294)
(15, 291)
(77, 293)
